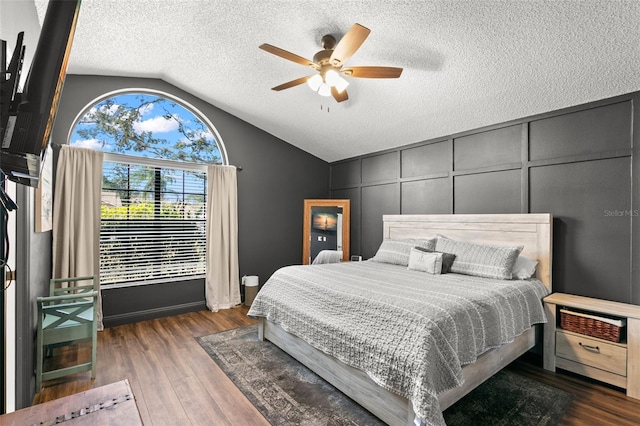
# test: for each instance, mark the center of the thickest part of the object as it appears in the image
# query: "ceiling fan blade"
(291, 83)
(339, 96)
(347, 46)
(288, 55)
(372, 72)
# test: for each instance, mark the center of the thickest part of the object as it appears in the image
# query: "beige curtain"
(222, 283)
(76, 214)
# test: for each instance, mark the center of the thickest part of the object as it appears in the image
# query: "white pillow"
(524, 268)
(430, 262)
(396, 252)
(480, 260)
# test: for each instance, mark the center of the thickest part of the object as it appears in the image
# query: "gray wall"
(275, 180)
(33, 270)
(581, 164)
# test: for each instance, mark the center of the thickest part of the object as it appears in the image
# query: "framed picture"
(43, 205)
(325, 221)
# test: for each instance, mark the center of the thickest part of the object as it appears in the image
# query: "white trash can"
(250, 283)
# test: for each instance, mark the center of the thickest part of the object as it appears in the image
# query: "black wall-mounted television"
(28, 116)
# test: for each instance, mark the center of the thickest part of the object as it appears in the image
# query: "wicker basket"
(591, 325)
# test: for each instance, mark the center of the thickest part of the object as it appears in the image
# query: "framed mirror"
(326, 227)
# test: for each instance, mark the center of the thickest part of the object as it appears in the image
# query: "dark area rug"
(287, 393)
(509, 399)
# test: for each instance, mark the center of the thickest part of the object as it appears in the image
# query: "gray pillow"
(447, 259)
(480, 260)
(396, 252)
(425, 261)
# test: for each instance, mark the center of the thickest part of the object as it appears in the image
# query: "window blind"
(152, 226)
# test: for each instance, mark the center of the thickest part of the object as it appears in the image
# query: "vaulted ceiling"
(466, 63)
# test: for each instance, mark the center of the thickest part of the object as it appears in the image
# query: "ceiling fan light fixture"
(324, 90)
(331, 77)
(334, 79)
(341, 84)
(314, 82)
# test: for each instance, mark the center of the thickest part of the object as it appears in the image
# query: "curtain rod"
(238, 168)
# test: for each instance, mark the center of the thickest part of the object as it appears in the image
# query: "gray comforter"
(410, 331)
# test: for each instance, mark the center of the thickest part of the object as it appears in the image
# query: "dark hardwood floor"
(176, 383)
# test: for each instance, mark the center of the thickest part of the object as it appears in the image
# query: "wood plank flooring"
(174, 380)
(176, 383)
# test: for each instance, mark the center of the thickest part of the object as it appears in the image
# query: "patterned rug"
(287, 393)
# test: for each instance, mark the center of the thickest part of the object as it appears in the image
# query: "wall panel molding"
(493, 174)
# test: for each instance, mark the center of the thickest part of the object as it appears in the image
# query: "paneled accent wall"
(581, 164)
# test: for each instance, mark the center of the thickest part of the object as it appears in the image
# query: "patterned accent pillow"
(447, 259)
(396, 252)
(480, 260)
(423, 261)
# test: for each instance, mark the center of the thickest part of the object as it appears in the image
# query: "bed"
(405, 387)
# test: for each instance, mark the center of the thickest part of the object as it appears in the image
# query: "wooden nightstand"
(614, 363)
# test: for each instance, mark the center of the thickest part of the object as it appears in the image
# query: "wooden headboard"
(533, 231)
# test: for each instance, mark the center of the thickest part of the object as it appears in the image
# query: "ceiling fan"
(329, 63)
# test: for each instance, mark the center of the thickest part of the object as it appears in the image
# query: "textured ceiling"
(466, 63)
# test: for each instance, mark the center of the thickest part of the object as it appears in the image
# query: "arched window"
(154, 185)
